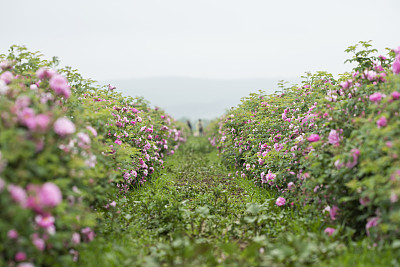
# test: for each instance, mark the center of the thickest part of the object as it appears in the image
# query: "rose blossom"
(20, 256)
(76, 238)
(372, 222)
(60, 85)
(39, 243)
(329, 230)
(375, 97)
(44, 73)
(12, 234)
(7, 77)
(314, 138)
(333, 212)
(42, 121)
(333, 137)
(290, 185)
(382, 122)
(45, 221)
(396, 66)
(396, 95)
(50, 195)
(88, 234)
(280, 201)
(63, 127)
(92, 130)
(18, 194)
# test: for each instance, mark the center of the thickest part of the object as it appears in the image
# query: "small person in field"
(190, 126)
(200, 127)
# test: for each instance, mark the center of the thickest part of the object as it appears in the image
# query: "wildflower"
(42, 121)
(382, 122)
(280, 201)
(111, 88)
(92, 130)
(63, 127)
(314, 138)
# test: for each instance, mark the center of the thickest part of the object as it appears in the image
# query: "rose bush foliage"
(69, 149)
(332, 143)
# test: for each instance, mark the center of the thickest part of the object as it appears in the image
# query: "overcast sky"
(225, 39)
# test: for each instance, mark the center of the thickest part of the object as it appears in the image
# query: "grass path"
(195, 214)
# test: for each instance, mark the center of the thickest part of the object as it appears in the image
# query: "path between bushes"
(195, 214)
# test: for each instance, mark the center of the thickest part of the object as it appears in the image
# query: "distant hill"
(194, 98)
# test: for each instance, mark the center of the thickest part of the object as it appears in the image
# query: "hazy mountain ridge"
(195, 97)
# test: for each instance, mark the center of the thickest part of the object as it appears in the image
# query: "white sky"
(225, 39)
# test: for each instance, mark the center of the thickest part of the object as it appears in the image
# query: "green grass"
(194, 214)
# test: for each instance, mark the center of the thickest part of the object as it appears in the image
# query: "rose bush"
(330, 143)
(68, 150)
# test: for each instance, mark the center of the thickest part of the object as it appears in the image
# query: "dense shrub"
(68, 149)
(331, 142)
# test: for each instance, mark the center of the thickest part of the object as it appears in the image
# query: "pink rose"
(63, 127)
(372, 222)
(60, 85)
(7, 77)
(396, 95)
(333, 212)
(290, 185)
(76, 238)
(44, 73)
(18, 194)
(382, 122)
(329, 230)
(118, 142)
(45, 221)
(375, 97)
(50, 195)
(39, 243)
(42, 121)
(333, 137)
(314, 138)
(396, 66)
(92, 130)
(88, 234)
(280, 201)
(20, 256)
(12, 234)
